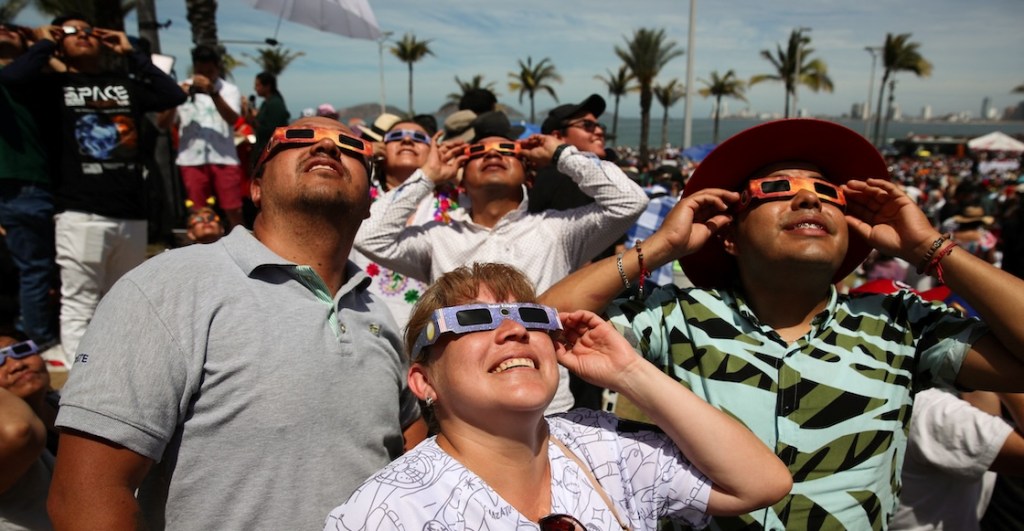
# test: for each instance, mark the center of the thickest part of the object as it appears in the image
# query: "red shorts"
(200, 182)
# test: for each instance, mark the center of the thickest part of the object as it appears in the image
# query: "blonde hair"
(462, 285)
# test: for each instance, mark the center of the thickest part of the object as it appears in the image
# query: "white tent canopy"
(996, 141)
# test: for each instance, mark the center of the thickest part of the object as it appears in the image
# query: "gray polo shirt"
(264, 401)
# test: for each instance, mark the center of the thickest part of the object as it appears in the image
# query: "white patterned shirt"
(641, 470)
(205, 137)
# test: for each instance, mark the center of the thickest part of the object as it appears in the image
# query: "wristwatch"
(558, 153)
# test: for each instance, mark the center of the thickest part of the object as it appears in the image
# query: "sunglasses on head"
(304, 136)
(18, 351)
(507, 148)
(560, 522)
(478, 317)
(71, 30)
(398, 135)
(786, 186)
(587, 125)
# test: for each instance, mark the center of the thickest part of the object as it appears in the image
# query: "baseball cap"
(594, 104)
(840, 153)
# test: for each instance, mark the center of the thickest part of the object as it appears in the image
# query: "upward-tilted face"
(406, 146)
(804, 226)
(496, 165)
(584, 132)
(78, 39)
(22, 376)
(315, 163)
(507, 367)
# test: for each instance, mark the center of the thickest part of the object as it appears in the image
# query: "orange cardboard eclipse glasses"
(507, 148)
(785, 186)
(304, 136)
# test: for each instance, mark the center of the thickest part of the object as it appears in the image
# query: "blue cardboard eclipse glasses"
(18, 351)
(402, 134)
(478, 317)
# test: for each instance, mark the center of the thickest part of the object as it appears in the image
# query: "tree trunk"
(878, 113)
(411, 112)
(202, 16)
(615, 120)
(146, 11)
(645, 123)
(718, 113)
(664, 128)
(533, 120)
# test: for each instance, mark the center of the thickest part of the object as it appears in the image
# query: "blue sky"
(975, 48)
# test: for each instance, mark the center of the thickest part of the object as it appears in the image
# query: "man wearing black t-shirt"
(99, 186)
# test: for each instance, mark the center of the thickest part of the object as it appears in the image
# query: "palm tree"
(668, 95)
(473, 84)
(618, 84)
(274, 60)
(202, 16)
(532, 78)
(728, 86)
(1018, 88)
(898, 54)
(11, 9)
(812, 72)
(645, 54)
(410, 50)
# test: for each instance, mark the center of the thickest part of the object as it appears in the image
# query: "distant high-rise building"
(926, 112)
(858, 111)
(986, 104)
(894, 112)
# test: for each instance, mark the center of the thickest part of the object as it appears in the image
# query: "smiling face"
(475, 375)
(582, 133)
(23, 377)
(317, 177)
(402, 157)
(800, 230)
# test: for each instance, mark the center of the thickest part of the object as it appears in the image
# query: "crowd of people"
(465, 326)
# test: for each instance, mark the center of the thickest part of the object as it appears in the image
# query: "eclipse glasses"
(18, 351)
(397, 135)
(505, 148)
(468, 318)
(304, 136)
(786, 186)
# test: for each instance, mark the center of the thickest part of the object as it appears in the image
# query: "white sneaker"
(54, 358)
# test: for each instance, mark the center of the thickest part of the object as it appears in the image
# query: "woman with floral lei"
(406, 146)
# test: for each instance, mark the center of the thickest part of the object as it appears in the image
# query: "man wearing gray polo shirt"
(245, 384)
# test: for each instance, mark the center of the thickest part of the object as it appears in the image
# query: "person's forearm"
(1014, 404)
(745, 473)
(167, 94)
(224, 109)
(105, 510)
(22, 438)
(383, 236)
(29, 65)
(996, 295)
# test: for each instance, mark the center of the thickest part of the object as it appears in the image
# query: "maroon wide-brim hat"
(840, 153)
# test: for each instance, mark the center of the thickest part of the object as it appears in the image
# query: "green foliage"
(811, 73)
(727, 86)
(274, 60)
(410, 50)
(645, 54)
(477, 82)
(533, 78)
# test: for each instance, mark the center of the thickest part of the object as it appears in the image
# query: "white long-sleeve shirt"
(546, 246)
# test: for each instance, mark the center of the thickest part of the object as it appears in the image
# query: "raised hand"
(690, 224)
(444, 160)
(594, 350)
(115, 40)
(539, 149)
(888, 219)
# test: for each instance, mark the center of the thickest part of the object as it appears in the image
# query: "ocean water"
(703, 129)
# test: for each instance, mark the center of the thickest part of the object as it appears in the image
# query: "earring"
(429, 401)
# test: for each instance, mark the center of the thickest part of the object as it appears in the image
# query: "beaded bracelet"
(644, 273)
(922, 266)
(936, 262)
(622, 272)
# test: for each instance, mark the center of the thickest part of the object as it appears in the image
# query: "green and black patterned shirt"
(834, 404)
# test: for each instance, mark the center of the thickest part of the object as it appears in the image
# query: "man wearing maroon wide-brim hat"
(767, 225)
